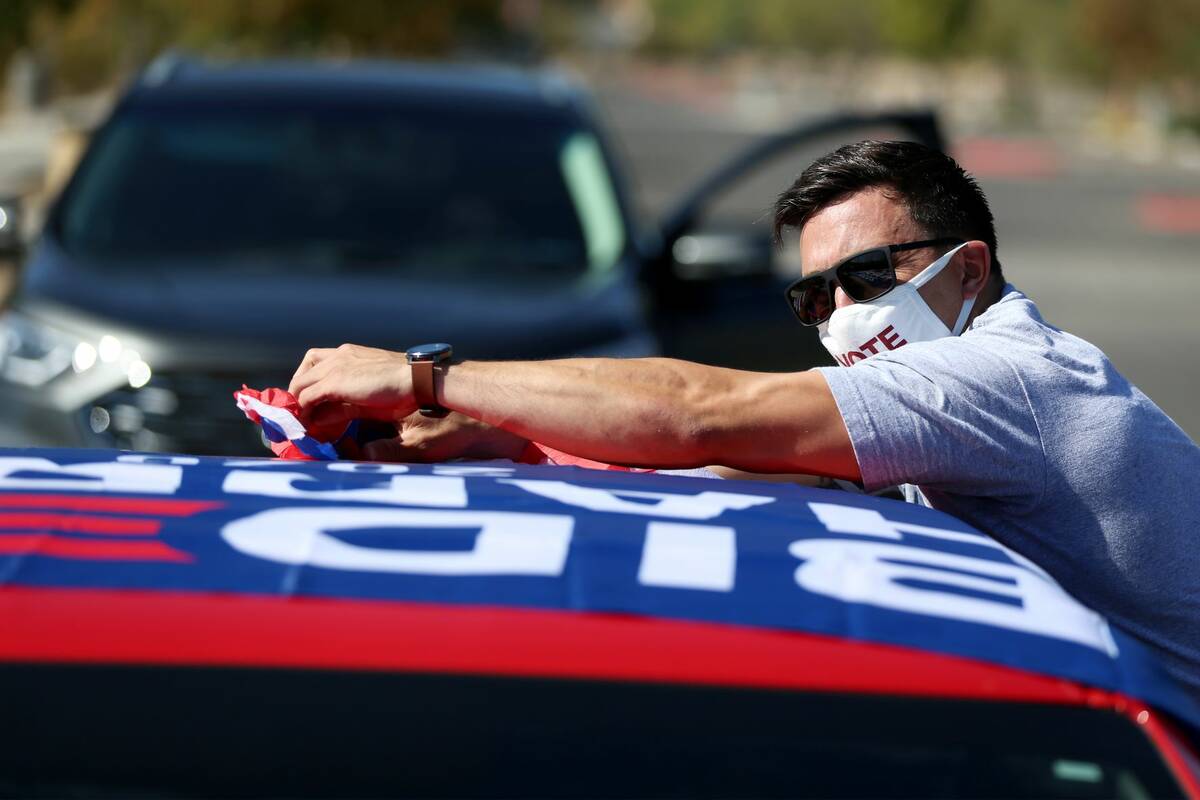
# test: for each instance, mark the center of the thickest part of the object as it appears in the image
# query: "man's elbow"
(776, 423)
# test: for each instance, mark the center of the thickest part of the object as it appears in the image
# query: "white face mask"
(861, 330)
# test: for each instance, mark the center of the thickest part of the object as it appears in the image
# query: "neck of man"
(986, 298)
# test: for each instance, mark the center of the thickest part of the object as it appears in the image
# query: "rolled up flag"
(278, 413)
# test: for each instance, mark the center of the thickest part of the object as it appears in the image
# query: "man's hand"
(431, 439)
(352, 382)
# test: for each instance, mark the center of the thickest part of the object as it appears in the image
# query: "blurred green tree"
(1123, 42)
(1128, 40)
(92, 41)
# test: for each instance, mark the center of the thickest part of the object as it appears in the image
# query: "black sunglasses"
(863, 277)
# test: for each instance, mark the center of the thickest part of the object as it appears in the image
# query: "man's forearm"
(659, 412)
(647, 412)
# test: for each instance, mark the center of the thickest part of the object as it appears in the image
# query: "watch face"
(430, 352)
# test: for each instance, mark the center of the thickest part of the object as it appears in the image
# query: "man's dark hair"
(940, 196)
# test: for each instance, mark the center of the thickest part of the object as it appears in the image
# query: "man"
(955, 387)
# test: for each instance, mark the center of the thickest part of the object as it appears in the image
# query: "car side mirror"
(712, 256)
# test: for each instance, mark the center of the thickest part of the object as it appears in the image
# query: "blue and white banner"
(755, 554)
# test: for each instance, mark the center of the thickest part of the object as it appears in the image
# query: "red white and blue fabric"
(277, 412)
(537, 453)
(235, 539)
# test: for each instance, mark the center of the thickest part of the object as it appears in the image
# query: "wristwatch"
(422, 359)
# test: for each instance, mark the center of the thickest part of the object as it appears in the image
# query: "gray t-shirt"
(1031, 435)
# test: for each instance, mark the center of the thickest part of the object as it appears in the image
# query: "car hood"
(279, 309)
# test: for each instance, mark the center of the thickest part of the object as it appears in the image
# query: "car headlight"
(31, 353)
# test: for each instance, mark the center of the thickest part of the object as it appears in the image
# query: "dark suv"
(224, 219)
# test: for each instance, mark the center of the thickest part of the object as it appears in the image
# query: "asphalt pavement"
(1108, 248)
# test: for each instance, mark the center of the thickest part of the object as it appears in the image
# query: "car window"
(434, 191)
(254, 732)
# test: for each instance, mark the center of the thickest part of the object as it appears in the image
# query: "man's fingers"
(310, 396)
(310, 360)
(317, 354)
(390, 450)
(332, 414)
(303, 386)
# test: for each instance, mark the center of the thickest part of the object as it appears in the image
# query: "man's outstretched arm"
(644, 412)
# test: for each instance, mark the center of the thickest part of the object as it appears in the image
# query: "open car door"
(717, 277)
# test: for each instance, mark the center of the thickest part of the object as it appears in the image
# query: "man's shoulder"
(1061, 372)
(1011, 314)
(1014, 330)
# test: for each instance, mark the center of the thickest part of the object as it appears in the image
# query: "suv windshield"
(220, 732)
(434, 190)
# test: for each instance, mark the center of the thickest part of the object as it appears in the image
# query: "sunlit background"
(553, 210)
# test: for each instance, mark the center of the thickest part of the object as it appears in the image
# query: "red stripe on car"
(144, 627)
(75, 523)
(46, 544)
(157, 507)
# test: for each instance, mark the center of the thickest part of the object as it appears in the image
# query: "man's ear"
(976, 266)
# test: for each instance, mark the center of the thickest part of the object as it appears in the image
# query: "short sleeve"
(947, 415)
